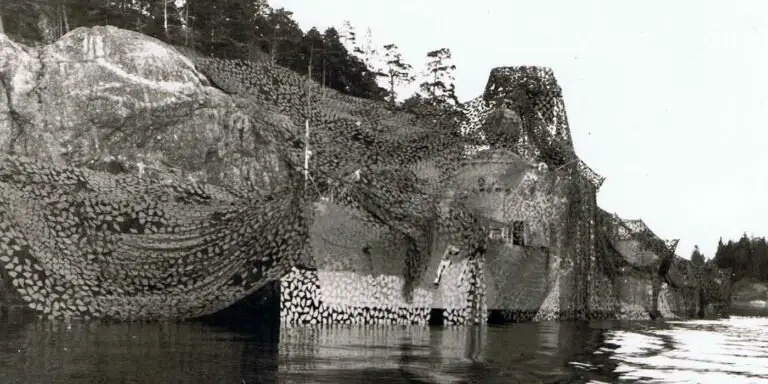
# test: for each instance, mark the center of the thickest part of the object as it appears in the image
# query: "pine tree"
(697, 258)
(285, 39)
(398, 72)
(348, 36)
(370, 55)
(439, 87)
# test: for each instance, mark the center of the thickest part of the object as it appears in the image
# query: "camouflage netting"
(530, 100)
(638, 246)
(646, 271)
(406, 163)
(147, 246)
(76, 242)
(82, 242)
(347, 134)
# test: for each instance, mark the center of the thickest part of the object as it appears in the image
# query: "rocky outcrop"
(119, 101)
(152, 194)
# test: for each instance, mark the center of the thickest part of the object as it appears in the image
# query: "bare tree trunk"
(165, 17)
(273, 55)
(65, 17)
(106, 15)
(434, 87)
(324, 69)
(186, 23)
(59, 19)
(45, 25)
(273, 50)
(2, 30)
(392, 88)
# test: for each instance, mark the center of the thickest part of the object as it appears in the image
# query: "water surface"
(733, 350)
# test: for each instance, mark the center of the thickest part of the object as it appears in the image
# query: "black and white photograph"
(383, 192)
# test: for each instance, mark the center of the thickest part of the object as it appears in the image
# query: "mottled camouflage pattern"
(82, 243)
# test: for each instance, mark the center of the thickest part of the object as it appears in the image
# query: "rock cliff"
(148, 185)
(120, 101)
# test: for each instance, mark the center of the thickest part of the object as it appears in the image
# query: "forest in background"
(746, 257)
(248, 30)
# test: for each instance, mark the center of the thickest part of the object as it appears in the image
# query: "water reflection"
(527, 353)
(33, 351)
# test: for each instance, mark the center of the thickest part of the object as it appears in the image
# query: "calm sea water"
(733, 350)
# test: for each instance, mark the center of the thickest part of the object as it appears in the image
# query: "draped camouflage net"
(630, 253)
(82, 243)
(350, 136)
(390, 147)
(86, 243)
(393, 169)
(79, 242)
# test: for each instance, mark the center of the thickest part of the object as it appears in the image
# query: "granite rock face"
(134, 189)
(120, 101)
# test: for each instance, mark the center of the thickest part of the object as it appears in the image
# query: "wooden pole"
(306, 150)
(306, 122)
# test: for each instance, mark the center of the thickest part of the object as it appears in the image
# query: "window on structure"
(495, 233)
(504, 236)
(518, 233)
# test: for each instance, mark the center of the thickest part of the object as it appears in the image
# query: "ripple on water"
(707, 351)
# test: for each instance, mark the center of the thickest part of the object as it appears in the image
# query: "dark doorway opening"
(518, 233)
(436, 317)
(496, 317)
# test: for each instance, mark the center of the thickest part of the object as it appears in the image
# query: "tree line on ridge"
(248, 30)
(746, 257)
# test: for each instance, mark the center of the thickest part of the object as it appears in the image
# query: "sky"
(666, 99)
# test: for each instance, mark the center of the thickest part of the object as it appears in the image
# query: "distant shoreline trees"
(746, 257)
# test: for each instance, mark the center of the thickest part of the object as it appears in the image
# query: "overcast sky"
(666, 99)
